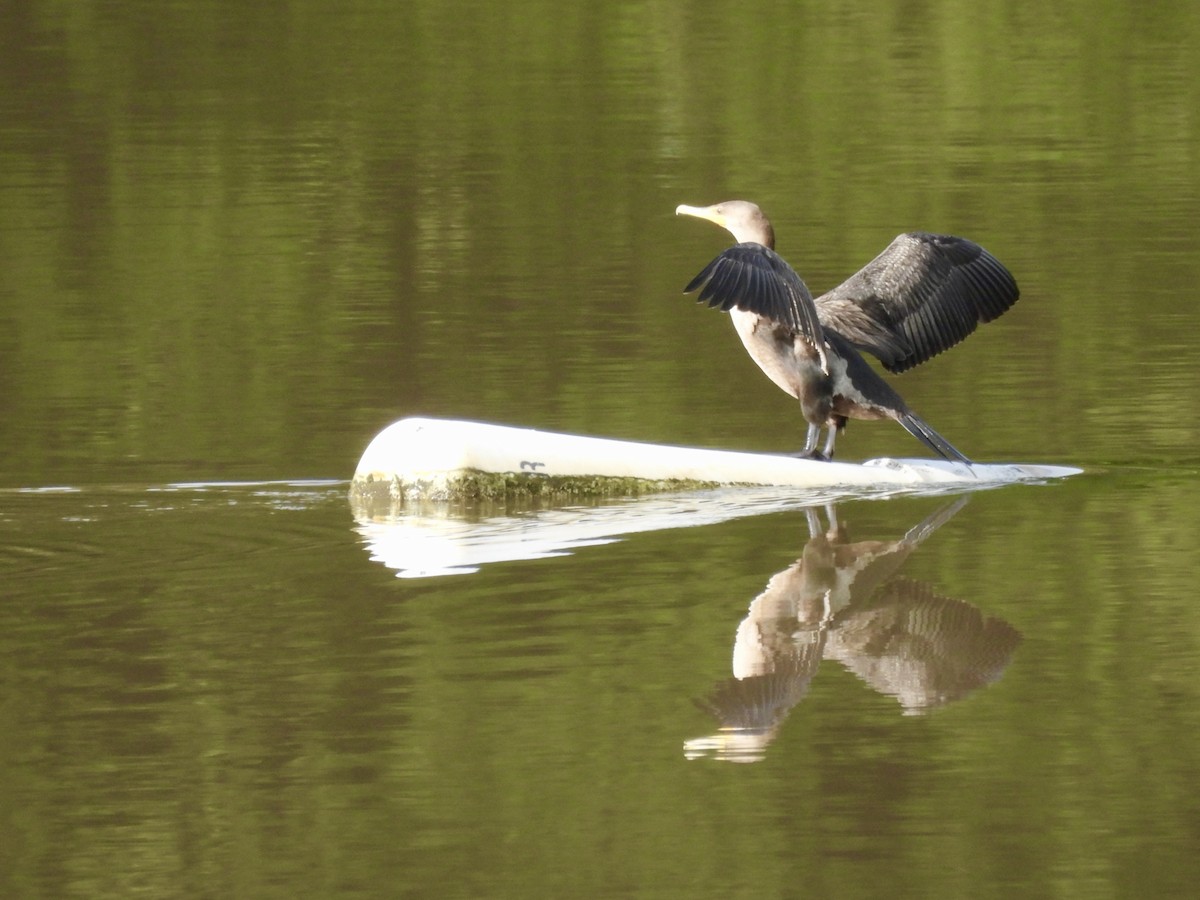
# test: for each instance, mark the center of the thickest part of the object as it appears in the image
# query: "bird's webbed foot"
(810, 454)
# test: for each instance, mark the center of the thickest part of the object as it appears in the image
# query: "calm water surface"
(236, 241)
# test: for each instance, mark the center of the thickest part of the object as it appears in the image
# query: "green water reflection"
(294, 721)
(240, 243)
(236, 240)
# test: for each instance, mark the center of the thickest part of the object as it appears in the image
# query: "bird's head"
(741, 218)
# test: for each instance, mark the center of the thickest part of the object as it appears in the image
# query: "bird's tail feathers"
(917, 427)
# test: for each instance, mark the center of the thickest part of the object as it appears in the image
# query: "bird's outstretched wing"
(754, 278)
(920, 296)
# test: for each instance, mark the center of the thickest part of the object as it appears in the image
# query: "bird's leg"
(810, 440)
(810, 450)
(830, 437)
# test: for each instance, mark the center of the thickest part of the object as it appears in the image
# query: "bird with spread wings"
(922, 295)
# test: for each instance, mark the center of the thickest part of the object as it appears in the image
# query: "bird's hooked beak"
(741, 218)
(709, 213)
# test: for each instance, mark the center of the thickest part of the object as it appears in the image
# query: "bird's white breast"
(792, 363)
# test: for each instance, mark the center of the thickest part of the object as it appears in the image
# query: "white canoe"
(422, 457)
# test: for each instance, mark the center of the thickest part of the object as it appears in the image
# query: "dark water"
(238, 240)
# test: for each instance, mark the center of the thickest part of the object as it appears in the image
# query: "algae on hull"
(475, 485)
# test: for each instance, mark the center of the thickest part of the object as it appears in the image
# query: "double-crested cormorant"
(920, 296)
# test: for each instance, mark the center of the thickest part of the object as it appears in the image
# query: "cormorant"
(920, 296)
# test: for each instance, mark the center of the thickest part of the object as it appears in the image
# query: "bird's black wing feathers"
(754, 278)
(920, 296)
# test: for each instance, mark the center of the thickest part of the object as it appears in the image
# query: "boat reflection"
(844, 601)
(428, 539)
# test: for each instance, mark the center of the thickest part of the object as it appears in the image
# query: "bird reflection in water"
(843, 601)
